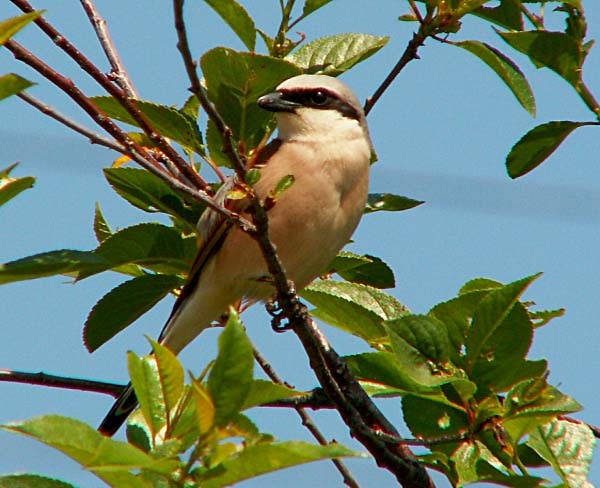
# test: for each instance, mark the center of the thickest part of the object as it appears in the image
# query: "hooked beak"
(275, 102)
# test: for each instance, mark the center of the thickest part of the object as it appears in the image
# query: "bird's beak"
(274, 102)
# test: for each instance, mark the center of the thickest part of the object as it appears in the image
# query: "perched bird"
(323, 142)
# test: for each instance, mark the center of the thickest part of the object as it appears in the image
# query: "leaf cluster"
(194, 434)
(469, 393)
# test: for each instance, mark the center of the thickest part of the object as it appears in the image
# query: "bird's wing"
(212, 229)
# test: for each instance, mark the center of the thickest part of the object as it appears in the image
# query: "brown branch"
(128, 104)
(183, 46)
(43, 379)
(307, 420)
(409, 54)
(51, 112)
(119, 73)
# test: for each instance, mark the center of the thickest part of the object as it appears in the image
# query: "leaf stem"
(588, 98)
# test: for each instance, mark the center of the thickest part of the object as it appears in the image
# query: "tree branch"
(51, 112)
(118, 73)
(43, 379)
(128, 104)
(409, 54)
(427, 27)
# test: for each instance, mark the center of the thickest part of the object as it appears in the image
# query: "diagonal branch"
(118, 73)
(128, 104)
(427, 27)
(51, 112)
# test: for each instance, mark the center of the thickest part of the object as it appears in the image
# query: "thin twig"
(410, 53)
(183, 46)
(128, 104)
(51, 112)
(307, 420)
(43, 379)
(118, 73)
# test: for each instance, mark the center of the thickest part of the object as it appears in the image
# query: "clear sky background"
(441, 132)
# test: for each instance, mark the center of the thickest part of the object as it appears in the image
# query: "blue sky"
(441, 132)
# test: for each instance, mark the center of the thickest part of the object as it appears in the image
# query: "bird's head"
(313, 107)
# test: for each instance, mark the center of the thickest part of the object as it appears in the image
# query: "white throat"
(310, 124)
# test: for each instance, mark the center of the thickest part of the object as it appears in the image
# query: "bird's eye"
(319, 98)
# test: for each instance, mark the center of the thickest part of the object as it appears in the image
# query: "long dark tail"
(125, 404)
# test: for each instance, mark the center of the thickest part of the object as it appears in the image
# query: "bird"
(323, 143)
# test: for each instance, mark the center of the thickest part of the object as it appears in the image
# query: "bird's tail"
(125, 404)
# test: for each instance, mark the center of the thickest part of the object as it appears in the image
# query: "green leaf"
(102, 230)
(507, 14)
(88, 447)
(205, 407)
(10, 187)
(532, 403)
(479, 284)
(215, 145)
(168, 121)
(234, 81)
(421, 347)
(31, 481)
(429, 419)
(355, 308)
(138, 433)
(506, 69)
(502, 362)
(365, 269)
(145, 379)
(230, 379)
(191, 107)
(490, 314)
(123, 305)
(10, 27)
(555, 50)
(539, 143)
(151, 245)
(11, 84)
(332, 55)
(171, 376)
(388, 202)
(382, 368)
(456, 314)
(265, 458)
(539, 318)
(282, 185)
(311, 5)
(568, 447)
(151, 194)
(51, 263)
(237, 18)
(264, 391)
